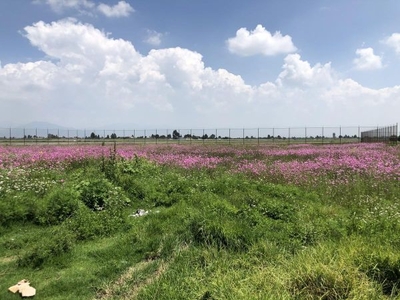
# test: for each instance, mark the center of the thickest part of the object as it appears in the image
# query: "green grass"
(209, 234)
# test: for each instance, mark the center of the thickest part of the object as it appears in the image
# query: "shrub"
(59, 205)
(94, 192)
(59, 242)
(132, 186)
(18, 208)
(89, 224)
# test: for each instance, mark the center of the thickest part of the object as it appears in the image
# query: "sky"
(199, 63)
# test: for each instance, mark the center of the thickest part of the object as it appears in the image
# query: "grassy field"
(219, 221)
(182, 141)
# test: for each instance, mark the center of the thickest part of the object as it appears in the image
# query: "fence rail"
(382, 134)
(308, 135)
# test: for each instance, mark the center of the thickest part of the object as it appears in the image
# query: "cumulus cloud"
(92, 79)
(122, 9)
(153, 38)
(297, 72)
(61, 5)
(393, 41)
(367, 60)
(260, 41)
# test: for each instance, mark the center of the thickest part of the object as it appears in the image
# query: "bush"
(94, 193)
(19, 208)
(59, 242)
(132, 186)
(88, 224)
(59, 205)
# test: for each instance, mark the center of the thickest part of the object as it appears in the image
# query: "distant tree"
(52, 136)
(205, 136)
(212, 137)
(176, 135)
(93, 135)
(113, 135)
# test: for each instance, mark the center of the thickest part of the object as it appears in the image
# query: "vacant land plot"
(201, 221)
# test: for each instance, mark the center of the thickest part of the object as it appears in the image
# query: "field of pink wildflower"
(296, 164)
(285, 221)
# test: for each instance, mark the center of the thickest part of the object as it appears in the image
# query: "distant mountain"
(7, 124)
(43, 125)
(121, 126)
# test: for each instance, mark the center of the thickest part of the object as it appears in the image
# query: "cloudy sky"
(199, 63)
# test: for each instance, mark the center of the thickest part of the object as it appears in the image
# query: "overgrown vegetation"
(209, 233)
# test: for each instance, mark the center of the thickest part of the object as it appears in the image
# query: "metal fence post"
(305, 135)
(273, 135)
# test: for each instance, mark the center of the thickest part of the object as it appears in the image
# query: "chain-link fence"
(278, 135)
(382, 134)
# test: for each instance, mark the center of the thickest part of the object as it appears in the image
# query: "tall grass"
(222, 223)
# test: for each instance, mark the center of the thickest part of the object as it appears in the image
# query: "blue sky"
(164, 64)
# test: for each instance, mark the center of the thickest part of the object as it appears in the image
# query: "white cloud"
(93, 80)
(153, 38)
(367, 60)
(297, 72)
(61, 5)
(260, 41)
(122, 9)
(393, 41)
